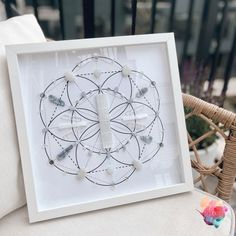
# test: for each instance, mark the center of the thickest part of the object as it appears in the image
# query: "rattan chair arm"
(219, 120)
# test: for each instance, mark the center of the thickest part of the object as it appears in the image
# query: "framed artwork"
(100, 122)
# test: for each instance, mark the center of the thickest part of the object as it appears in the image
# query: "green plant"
(196, 127)
(195, 81)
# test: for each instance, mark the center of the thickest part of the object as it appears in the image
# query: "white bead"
(110, 170)
(137, 164)
(83, 94)
(95, 55)
(126, 71)
(113, 186)
(108, 154)
(97, 74)
(116, 89)
(69, 76)
(77, 142)
(45, 130)
(81, 174)
(72, 108)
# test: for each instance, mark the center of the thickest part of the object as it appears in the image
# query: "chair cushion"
(23, 29)
(173, 216)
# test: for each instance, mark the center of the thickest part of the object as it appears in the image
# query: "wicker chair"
(222, 122)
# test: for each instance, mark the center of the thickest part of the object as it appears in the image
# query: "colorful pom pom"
(213, 211)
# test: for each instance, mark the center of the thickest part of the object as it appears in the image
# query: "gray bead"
(51, 162)
(146, 139)
(57, 101)
(42, 95)
(161, 144)
(63, 153)
(153, 83)
(141, 92)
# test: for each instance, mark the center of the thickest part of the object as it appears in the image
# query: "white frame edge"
(13, 51)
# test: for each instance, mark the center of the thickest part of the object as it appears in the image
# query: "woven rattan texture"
(223, 123)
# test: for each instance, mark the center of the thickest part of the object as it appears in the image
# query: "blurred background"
(205, 32)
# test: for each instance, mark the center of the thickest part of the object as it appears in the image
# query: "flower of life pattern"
(71, 133)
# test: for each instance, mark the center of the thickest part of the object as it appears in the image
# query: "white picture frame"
(18, 68)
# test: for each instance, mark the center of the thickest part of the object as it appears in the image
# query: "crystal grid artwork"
(106, 133)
